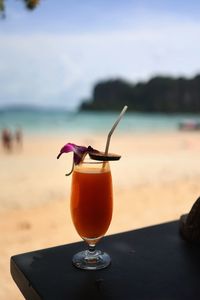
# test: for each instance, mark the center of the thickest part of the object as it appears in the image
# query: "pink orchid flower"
(79, 153)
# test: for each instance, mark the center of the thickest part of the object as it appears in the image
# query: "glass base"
(91, 260)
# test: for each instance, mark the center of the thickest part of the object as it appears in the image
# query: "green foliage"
(159, 94)
(2, 8)
(1, 5)
(29, 4)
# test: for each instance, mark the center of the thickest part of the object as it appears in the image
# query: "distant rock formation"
(159, 94)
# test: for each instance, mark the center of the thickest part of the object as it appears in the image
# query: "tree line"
(160, 94)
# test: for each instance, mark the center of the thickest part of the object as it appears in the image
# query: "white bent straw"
(113, 128)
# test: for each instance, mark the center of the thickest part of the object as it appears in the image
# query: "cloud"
(54, 69)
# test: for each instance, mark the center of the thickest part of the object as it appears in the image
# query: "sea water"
(59, 121)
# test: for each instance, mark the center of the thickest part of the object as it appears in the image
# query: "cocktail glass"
(91, 210)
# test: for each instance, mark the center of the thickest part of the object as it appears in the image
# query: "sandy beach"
(156, 180)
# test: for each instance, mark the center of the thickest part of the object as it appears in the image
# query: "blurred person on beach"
(6, 138)
(19, 138)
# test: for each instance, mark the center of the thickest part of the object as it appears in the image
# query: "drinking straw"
(113, 128)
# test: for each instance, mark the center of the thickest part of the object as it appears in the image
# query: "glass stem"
(91, 248)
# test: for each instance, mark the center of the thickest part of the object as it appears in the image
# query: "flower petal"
(79, 154)
(79, 151)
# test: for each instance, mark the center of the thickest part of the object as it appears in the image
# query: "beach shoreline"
(156, 181)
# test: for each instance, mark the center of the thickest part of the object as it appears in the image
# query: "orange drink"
(91, 199)
(91, 211)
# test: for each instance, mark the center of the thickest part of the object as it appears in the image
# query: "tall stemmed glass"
(91, 210)
(91, 198)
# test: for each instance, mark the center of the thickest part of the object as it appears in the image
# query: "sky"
(53, 56)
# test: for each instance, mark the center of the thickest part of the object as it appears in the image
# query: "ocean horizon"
(34, 121)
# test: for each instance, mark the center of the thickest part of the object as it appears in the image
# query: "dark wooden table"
(148, 263)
